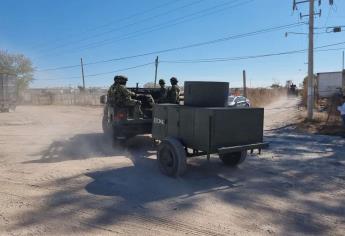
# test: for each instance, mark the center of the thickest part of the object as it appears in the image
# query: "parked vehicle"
(8, 92)
(238, 101)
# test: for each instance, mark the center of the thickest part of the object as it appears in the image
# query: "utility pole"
(310, 97)
(82, 72)
(343, 61)
(310, 101)
(244, 84)
(156, 64)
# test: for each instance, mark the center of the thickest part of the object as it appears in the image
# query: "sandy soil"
(59, 176)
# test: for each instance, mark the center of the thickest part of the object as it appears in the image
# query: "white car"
(238, 101)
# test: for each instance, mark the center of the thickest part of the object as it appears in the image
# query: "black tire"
(234, 158)
(107, 128)
(171, 157)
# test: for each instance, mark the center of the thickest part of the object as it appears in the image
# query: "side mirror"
(103, 99)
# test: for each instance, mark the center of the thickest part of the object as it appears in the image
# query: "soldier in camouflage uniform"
(111, 90)
(162, 92)
(173, 94)
(122, 97)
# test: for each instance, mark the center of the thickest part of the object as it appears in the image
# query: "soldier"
(122, 97)
(162, 92)
(173, 95)
(111, 90)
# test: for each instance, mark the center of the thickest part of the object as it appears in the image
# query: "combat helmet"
(120, 79)
(161, 81)
(173, 80)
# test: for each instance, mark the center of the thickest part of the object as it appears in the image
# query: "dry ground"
(59, 176)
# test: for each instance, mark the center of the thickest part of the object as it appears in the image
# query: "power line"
(124, 18)
(124, 26)
(219, 40)
(109, 72)
(210, 60)
(170, 23)
(208, 11)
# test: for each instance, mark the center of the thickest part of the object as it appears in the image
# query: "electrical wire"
(109, 72)
(170, 23)
(119, 20)
(219, 40)
(210, 60)
(124, 26)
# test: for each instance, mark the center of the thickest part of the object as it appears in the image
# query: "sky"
(56, 34)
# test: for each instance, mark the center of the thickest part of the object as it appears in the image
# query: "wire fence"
(62, 97)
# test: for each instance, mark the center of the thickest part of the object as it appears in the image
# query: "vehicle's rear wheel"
(171, 157)
(234, 158)
(107, 128)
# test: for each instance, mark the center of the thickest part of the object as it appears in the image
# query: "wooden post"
(82, 72)
(244, 84)
(156, 64)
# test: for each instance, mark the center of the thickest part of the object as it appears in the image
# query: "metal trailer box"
(206, 94)
(8, 92)
(208, 129)
(330, 83)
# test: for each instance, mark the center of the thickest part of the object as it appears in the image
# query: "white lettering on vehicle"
(158, 121)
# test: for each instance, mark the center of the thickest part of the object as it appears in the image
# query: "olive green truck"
(204, 125)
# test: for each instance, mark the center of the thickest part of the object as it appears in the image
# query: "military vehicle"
(8, 92)
(292, 90)
(119, 122)
(204, 125)
(194, 129)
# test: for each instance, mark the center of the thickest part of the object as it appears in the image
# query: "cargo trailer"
(185, 131)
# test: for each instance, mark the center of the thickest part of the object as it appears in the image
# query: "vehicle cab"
(238, 101)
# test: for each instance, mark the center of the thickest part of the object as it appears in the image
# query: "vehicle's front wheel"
(234, 158)
(171, 157)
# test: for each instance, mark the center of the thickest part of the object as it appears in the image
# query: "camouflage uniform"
(173, 94)
(162, 92)
(110, 95)
(122, 97)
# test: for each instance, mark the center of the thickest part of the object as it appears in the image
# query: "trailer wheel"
(234, 158)
(171, 157)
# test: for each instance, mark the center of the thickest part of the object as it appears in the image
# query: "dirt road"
(59, 176)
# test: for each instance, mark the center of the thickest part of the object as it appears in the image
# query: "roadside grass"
(322, 123)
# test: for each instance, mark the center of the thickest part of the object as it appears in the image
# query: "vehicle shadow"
(121, 193)
(290, 190)
(304, 180)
